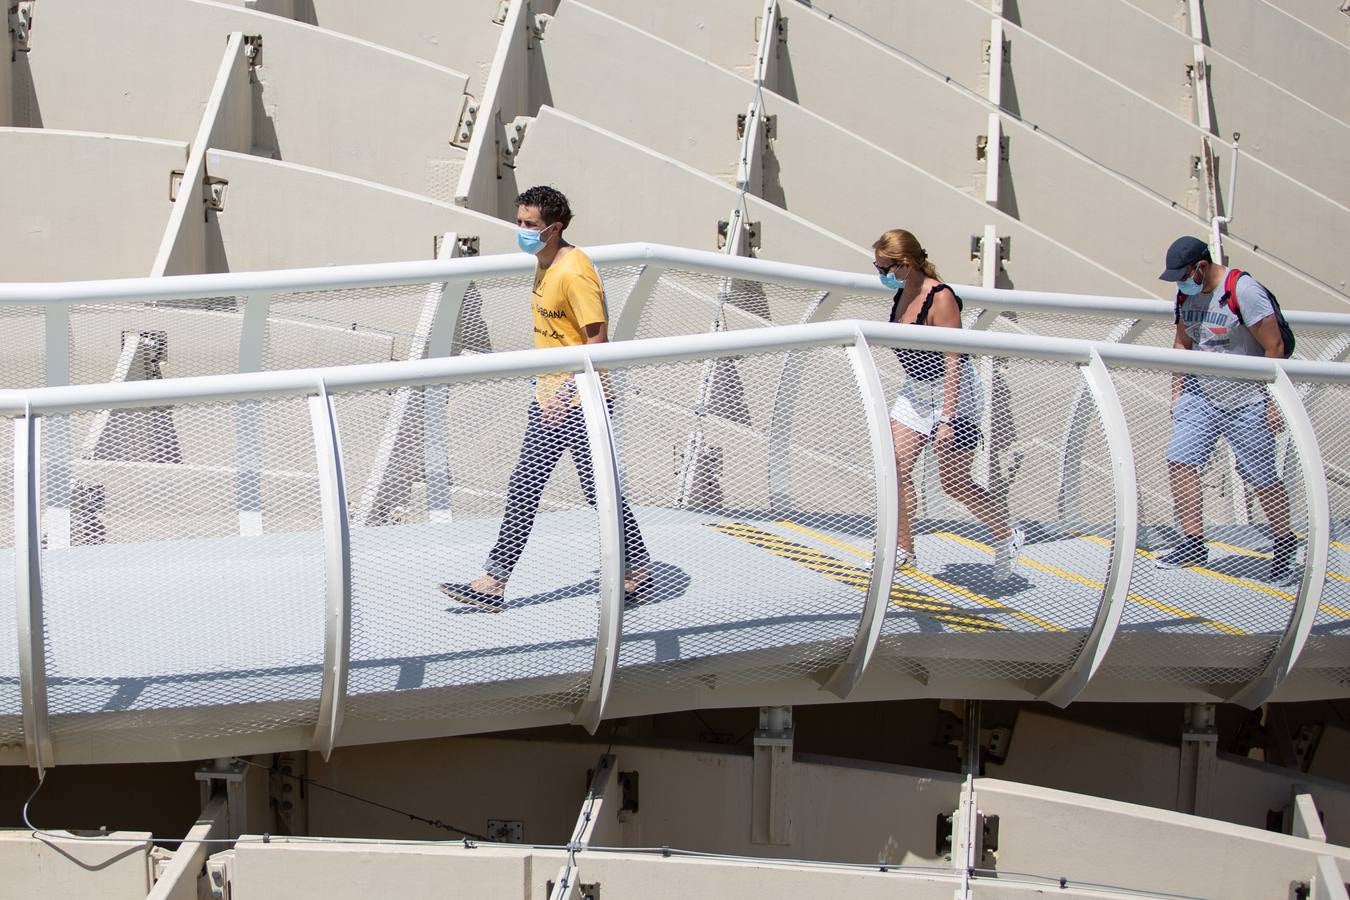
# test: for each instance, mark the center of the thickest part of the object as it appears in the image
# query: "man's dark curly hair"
(551, 202)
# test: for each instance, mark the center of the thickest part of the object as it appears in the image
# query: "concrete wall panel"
(1159, 74)
(326, 100)
(1281, 48)
(82, 205)
(117, 868)
(873, 92)
(280, 215)
(1104, 842)
(458, 34)
(621, 191)
(723, 32)
(695, 104)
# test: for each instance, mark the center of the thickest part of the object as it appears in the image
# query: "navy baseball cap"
(1184, 253)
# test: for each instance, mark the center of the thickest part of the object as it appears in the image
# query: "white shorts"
(920, 403)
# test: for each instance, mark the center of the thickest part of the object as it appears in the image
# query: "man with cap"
(1205, 407)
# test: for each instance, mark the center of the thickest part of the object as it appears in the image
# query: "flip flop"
(471, 596)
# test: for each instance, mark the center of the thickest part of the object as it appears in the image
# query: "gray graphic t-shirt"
(1215, 329)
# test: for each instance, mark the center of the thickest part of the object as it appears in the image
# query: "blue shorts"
(1197, 424)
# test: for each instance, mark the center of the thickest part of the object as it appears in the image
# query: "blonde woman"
(940, 403)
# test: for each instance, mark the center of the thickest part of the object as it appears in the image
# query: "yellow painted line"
(1159, 605)
(1244, 551)
(1243, 582)
(824, 564)
(912, 572)
(1337, 544)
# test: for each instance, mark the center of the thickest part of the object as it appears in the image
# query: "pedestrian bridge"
(246, 559)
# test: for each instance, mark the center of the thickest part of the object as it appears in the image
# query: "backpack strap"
(1230, 293)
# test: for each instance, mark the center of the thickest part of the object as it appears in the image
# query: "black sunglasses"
(882, 270)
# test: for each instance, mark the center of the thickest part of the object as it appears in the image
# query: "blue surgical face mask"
(528, 239)
(1189, 287)
(890, 281)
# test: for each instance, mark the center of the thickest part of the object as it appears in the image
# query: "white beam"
(337, 572)
(1123, 539)
(849, 672)
(1303, 440)
(605, 467)
(28, 593)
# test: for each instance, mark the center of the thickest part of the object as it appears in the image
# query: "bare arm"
(1267, 334)
(947, 314)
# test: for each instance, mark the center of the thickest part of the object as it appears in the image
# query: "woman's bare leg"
(908, 445)
(954, 471)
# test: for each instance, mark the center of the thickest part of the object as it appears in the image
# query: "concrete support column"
(771, 790)
(1199, 760)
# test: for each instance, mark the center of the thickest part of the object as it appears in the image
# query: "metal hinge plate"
(515, 136)
(468, 115)
(977, 246)
(982, 147)
(21, 24)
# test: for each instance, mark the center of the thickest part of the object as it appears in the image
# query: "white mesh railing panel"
(1037, 463)
(342, 327)
(159, 611)
(1327, 653)
(11, 704)
(684, 302)
(757, 505)
(427, 476)
(143, 341)
(24, 362)
(496, 315)
(1213, 622)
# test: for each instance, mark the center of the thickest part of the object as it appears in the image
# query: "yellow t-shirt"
(567, 297)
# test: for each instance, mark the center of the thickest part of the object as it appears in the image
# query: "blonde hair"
(904, 248)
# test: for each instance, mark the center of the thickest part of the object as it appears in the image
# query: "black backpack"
(1230, 297)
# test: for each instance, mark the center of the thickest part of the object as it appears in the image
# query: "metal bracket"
(213, 192)
(467, 245)
(539, 24)
(499, 17)
(982, 147)
(977, 247)
(771, 785)
(986, 46)
(584, 890)
(752, 231)
(253, 44)
(226, 776)
(468, 114)
(218, 874)
(21, 24)
(515, 136)
(770, 126)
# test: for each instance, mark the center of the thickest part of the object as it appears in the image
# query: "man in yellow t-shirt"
(568, 303)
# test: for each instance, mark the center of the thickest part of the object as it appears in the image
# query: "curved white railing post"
(605, 469)
(28, 593)
(849, 672)
(1123, 542)
(1304, 441)
(337, 632)
(626, 322)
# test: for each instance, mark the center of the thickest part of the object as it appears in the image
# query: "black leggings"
(540, 452)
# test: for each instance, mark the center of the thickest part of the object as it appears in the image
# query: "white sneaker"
(1007, 553)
